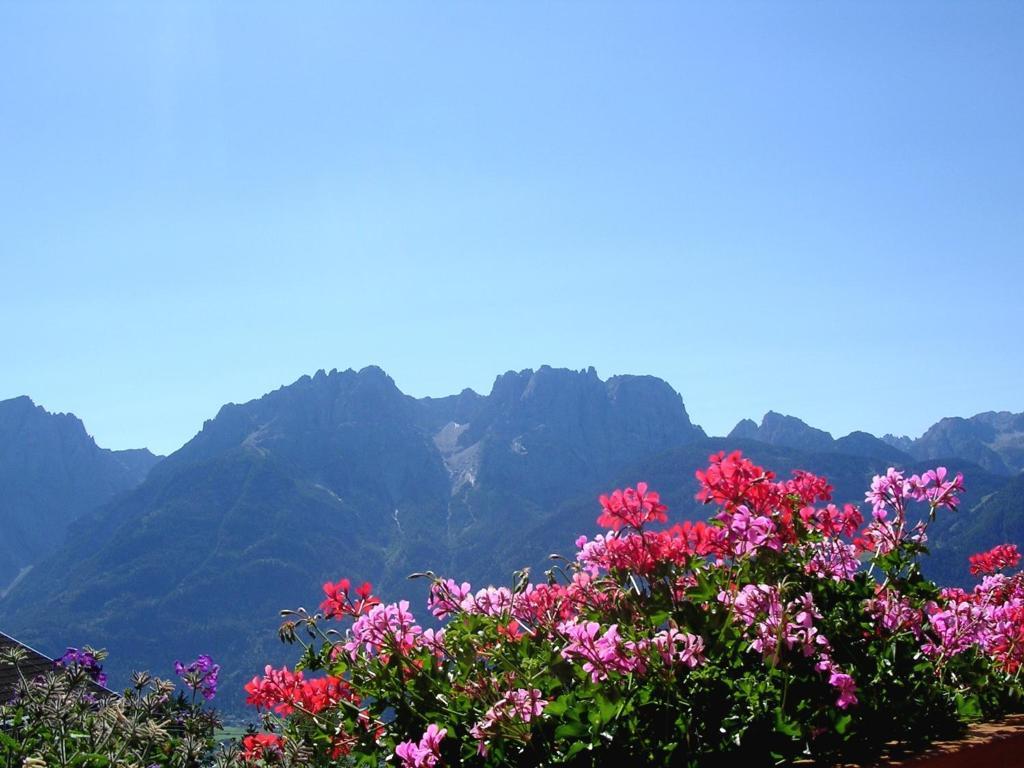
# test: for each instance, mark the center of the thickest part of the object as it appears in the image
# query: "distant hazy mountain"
(51, 471)
(341, 474)
(790, 432)
(993, 440)
(335, 475)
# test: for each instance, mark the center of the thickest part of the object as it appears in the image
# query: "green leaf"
(659, 618)
(608, 711)
(784, 725)
(575, 748)
(968, 707)
(8, 742)
(558, 706)
(90, 760)
(843, 723)
(569, 730)
(703, 590)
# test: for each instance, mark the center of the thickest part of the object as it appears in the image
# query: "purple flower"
(200, 675)
(84, 661)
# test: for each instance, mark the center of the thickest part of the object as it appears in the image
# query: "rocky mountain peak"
(994, 439)
(745, 429)
(52, 471)
(789, 431)
(22, 413)
(900, 442)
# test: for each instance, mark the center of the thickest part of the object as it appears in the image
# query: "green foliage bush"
(65, 718)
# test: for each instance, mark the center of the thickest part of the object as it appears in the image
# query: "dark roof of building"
(34, 664)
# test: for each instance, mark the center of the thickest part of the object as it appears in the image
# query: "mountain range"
(992, 440)
(341, 474)
(52, 472)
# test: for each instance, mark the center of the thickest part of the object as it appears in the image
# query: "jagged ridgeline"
(992, 440)
(336, 474)
(341, 474)
(51, 473)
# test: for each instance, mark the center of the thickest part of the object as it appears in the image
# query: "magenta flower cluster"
(602, 652)
(424, 754)
(387, 629)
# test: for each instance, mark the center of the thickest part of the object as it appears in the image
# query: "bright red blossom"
(257, 746)
(544, 604)
(336, 602)
(732, 480)
(284, 691)
(996, 559)
(645, 552)
(808, 487)
(337, 605)
(631, 507)
(832, 521)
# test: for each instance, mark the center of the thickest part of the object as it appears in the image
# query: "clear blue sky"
(816, 208)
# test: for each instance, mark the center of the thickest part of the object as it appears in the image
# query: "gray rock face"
(787, 431)
(537, 428)
(994, 440)
(746, 429)
(51, 472)
(899, 442)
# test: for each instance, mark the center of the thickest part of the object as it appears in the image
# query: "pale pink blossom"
(446, 597)
(679, 648)
(385, 629)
